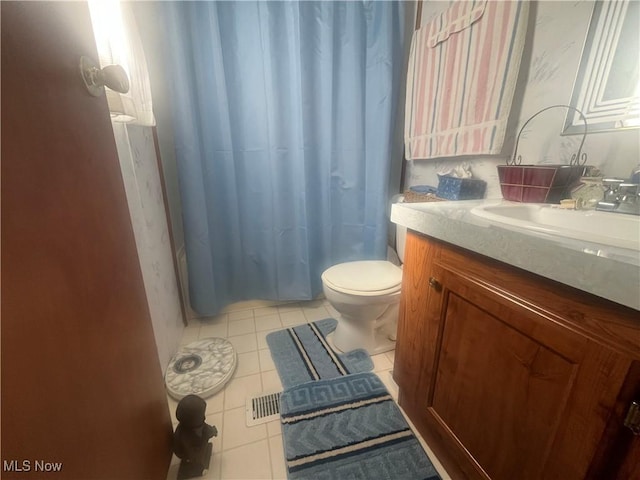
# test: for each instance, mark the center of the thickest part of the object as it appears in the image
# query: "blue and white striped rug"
(349, 427)
(302, 354)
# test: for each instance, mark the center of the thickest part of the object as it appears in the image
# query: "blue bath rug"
(302, 354)
(349, 427)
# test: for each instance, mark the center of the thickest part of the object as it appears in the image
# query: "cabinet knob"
(435, 284)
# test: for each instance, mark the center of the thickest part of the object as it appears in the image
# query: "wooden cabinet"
(509, 375)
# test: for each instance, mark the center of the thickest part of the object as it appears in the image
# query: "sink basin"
(613, 229)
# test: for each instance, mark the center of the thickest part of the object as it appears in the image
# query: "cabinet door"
(513, 392)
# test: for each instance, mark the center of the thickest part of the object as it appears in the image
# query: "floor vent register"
(263, 408)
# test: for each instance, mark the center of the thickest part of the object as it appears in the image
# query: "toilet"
(366, 294)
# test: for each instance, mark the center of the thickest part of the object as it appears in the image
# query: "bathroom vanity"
(513, 360)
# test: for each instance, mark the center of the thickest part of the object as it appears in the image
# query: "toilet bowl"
(366, 294)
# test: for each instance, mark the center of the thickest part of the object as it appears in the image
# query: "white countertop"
(608, 272)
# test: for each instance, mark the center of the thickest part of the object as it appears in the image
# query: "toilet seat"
(364, 278)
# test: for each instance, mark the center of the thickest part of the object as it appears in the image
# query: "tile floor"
(241, 452)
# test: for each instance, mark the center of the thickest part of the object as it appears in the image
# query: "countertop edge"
(601, 276)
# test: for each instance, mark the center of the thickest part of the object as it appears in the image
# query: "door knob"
(112, 76)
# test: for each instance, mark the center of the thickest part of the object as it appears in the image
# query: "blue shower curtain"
(284, 116)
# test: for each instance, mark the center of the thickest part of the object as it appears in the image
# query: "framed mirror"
(607, 86)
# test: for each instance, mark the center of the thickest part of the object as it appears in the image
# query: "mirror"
(607, 86)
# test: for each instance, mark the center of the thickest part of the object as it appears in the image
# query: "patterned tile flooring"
(246, 326)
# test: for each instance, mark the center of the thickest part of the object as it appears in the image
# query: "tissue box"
(452, 188)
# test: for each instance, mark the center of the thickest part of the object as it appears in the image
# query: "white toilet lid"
(368, 276)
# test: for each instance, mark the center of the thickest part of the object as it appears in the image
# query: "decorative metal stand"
(541, 183)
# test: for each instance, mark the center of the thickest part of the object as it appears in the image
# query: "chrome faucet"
(620, 197)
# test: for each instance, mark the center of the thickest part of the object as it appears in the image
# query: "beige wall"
(557, 30)
(138, 163)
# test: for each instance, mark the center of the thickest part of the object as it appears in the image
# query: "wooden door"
(82, 388)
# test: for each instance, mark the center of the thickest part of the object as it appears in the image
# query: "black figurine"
(191, 438)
